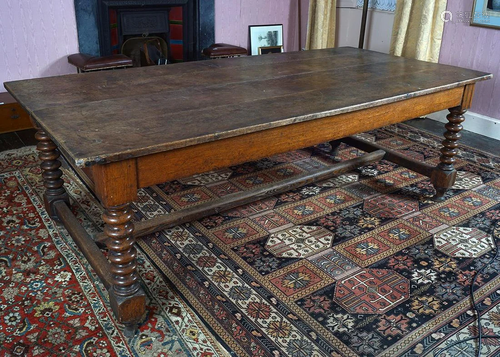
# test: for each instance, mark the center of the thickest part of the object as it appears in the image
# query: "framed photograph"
(486, 13)
(265, 36)
(270, 49)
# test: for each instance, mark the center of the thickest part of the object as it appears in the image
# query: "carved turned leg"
(443, 176)
(126, 295)
(51, 173)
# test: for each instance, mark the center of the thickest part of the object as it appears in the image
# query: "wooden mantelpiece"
(134, 128)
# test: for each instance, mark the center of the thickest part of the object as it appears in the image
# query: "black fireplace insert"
(117, 20)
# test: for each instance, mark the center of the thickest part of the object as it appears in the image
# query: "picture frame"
(270, 49)
(264, 36)
(486, 13)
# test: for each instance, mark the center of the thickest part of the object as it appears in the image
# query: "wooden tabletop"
(109, 116)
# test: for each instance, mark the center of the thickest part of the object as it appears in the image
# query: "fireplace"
(187, 26)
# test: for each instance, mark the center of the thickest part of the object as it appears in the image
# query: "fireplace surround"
(93, 22)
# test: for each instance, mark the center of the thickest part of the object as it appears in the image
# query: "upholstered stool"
(223, 50)
(86, 63)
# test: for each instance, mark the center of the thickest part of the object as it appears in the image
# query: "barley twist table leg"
(126, 295)
(51, 173)
(444, 175)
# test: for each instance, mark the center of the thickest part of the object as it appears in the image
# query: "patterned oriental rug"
(51, 303)
(364, 264)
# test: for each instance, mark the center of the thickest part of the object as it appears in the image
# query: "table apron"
(175, 164)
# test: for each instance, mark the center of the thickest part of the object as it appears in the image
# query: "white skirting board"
(477, 123)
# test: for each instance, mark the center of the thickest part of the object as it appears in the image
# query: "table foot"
(51, 173)
(130, 330)
(127, 298)
(335, 144)
(128, 310)
(444, 175)
(439, 196)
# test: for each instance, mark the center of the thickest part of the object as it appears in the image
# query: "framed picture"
(270, 49)
(265, 36)
(486, 13)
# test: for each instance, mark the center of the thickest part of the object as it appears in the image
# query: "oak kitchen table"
(123, 130)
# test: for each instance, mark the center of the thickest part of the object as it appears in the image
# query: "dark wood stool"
(86, 63)
(224, 50)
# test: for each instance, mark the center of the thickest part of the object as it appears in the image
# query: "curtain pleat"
(418, 29)
(321, 24)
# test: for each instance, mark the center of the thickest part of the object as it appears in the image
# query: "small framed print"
(270, 49)
(486, 13)
(265, 36)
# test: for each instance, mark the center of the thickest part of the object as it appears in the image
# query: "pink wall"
(35, 38)
(232, 18)
(477, 48)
